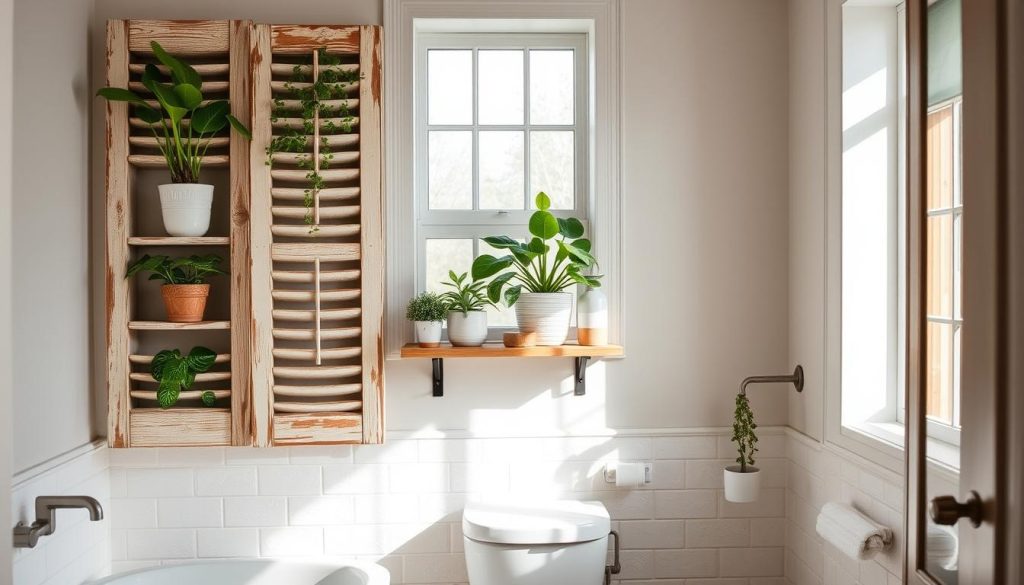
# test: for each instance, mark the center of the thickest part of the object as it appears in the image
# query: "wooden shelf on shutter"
(581, 354)
(168, 326)
(179, 241)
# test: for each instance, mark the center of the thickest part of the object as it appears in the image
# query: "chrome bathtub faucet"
(46, 517)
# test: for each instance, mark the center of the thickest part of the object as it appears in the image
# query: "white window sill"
(943, 455)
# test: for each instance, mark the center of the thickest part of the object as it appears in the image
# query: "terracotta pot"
(185, 303)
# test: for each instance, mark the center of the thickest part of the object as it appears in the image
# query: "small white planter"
(428, 333)
(186, 208)
(546, 314)
(467, 329)
(742, 487)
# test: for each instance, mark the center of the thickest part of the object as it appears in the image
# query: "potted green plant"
(185, 288)
(427, 310)
(186, 124)
(743, 481)
(175, 372)
(536, 283)
(467, 317)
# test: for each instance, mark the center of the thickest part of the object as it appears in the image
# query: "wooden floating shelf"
(179, 241)
(156, 161)
(581, 354)
(168, 326)
(491, 350)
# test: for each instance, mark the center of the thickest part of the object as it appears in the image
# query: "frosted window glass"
(551, 167)
(450, 169)
(500, 87)
(449, 87)
(551, 87)
(502, 182)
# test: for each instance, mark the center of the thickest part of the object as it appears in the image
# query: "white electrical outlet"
(609, 472)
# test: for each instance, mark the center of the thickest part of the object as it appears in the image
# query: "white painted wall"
(6, 436)
(704, 189)
(807, 155)
(51, 258)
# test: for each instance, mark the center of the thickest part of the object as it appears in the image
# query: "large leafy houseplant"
(175, 372)
(532, 269)
(182, 144)
(185, 289)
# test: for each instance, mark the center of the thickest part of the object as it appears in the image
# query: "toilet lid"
(536, 523)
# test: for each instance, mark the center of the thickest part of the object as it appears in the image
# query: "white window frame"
(879, 441)
(406, 21)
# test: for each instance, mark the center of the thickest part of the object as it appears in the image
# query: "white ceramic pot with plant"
(185, 202)
(427, 311)
(467, 315)
(743, 481)
(538, 281)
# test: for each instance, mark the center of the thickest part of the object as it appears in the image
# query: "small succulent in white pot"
(184, 125)
(743, 481)
(427, 311)
(536, 284)
(467, 315)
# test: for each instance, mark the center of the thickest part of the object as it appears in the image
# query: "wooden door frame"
(989, 281)
(6, 381)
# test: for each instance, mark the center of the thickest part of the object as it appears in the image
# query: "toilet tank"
(561, 542)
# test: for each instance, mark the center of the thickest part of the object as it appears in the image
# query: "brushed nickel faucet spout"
(46, 517)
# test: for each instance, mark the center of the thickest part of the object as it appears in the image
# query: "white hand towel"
(853, 533)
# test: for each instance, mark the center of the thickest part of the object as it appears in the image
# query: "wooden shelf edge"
(492, 350)
(168, 326)
(179, 241)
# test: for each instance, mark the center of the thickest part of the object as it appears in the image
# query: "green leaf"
(210, 118)
(502, 242)
(180, 72)
(147, 114)
(571, 228)
(486, 265)
(209, 398)
(169, 101)
(495, 286)
(189, 95)
(151, 75)
(201, 358)
(543, 225)
(582, 244)
(239, 127)
(577, 254)
(543, 201)
(538, 247)
(512, 294)
(161, 359)
(168, 392)
(117, 94)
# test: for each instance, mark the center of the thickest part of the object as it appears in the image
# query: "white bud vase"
(592, 318)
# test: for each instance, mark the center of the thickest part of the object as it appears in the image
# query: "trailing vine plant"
(331, 84)
(743, 432)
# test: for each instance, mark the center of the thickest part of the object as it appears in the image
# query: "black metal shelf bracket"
(438, 385)
(579, 376)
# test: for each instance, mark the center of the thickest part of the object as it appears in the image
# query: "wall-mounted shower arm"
(796, 379)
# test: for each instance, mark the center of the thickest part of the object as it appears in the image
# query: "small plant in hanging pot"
(427, 311)
(743, 481)
(536, 284)
(467, 317)
(184, 290)
(184, 126)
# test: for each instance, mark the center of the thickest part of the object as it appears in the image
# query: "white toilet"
(550, 543)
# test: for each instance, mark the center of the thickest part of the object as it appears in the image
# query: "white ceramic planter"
(546, 314)
(742, 487)
(592, 318)
(467, 329)
(428, 333)
(186, 208)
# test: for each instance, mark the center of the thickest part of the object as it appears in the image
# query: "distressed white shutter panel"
(317, 253)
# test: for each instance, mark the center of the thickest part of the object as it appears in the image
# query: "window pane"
(939, 380)
(500, 86)
(940, 266)
(449, 87)
(501, 170)
(551, 167)
(551, 87)
(450, 169)
(443, 255)
(940, 159)
(958, 263)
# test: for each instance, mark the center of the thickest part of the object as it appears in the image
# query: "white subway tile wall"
(400, 504)
(79, 550)
(820, 473)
